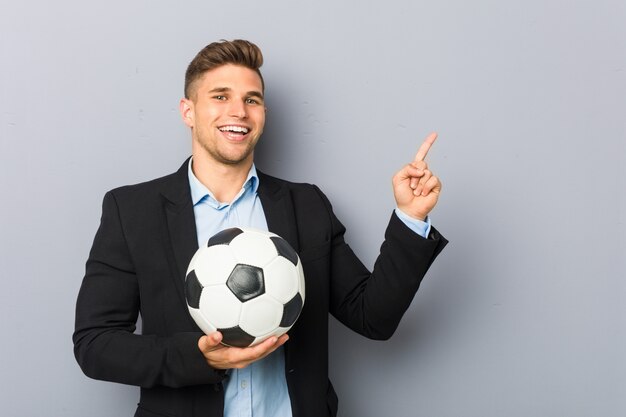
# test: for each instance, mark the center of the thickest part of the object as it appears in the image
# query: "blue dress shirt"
(260, 389)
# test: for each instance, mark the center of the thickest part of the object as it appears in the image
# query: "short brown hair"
(216, 54)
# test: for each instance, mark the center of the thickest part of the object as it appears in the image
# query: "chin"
(235, 159)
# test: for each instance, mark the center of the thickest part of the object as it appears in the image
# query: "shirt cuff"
(422, 228)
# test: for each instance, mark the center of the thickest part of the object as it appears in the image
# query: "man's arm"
(107, 308)
(373, 303)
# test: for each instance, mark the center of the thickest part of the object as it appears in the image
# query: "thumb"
(209, 342)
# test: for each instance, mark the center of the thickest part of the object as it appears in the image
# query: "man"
(150, 231)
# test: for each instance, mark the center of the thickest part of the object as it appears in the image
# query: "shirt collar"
(200, 192)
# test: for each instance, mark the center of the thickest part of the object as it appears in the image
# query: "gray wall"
(524, 314)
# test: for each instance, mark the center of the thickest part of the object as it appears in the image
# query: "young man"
(150, 231)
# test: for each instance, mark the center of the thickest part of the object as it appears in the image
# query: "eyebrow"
(252, 93)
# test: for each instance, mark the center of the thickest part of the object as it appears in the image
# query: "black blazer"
(137, 265)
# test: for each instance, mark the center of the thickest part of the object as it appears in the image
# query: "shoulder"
(144, 187)
(314, 217)
(274, 182)
(300, 192)
(174, 187)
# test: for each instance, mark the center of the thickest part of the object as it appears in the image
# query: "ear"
(187, 112)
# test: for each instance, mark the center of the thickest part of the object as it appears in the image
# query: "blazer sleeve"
(107, 308)
(373, 303)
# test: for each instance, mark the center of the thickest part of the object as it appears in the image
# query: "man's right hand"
(219, 356)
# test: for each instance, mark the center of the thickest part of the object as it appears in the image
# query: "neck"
(224, 181)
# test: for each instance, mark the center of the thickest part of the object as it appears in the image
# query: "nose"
(237, 109)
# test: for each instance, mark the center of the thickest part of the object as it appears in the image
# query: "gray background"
(524, 314)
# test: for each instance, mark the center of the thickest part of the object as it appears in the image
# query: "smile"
(234, 129)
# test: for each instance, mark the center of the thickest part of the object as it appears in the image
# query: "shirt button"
(244, 384)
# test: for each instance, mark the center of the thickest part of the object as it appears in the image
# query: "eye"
(251, 101)
(218, 97)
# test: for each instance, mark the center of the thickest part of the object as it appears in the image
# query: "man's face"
(226, 114)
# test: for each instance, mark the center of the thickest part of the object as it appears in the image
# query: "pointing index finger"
(425, 147)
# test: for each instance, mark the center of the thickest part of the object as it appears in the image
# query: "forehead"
(235, 77)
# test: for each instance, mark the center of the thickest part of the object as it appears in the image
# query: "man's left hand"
(415, 188)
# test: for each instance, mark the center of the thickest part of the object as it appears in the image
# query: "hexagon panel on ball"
(281, 281)
(253, 248)
(261, 315)
(213, 264)
(220, 307)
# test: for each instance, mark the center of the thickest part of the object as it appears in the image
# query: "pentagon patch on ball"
(224, 237)
(193, 289)
(246, 283)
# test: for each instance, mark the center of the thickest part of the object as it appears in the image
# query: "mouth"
(236, 132)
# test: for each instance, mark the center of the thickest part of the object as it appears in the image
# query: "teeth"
(239, 129)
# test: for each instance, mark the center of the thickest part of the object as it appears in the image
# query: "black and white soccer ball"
(246, 283)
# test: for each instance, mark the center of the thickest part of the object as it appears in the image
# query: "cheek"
(261, 121)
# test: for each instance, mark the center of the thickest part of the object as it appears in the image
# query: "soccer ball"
(246, 283)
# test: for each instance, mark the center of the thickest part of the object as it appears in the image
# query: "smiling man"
(149, 232)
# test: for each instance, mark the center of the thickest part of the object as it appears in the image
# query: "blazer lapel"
(278, 209)
(281, 219)
(181, 225)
